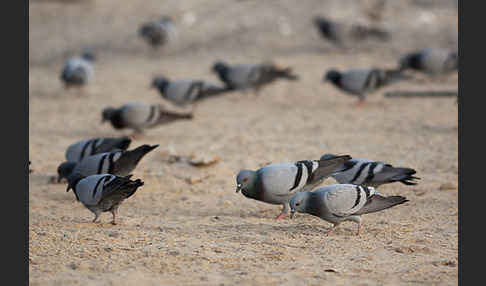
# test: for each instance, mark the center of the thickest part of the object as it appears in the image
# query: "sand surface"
(174, 232)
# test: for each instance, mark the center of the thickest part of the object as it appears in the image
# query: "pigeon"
(138, 116)
(183, 92)
(371, 173)
(342, 202)
(360, 82)
(118, 163)
(342, 33)
(432, 61)
(245, 76)
(77, 151)
(157, 33)
(102, 193)
(277, 183)
(78, 71)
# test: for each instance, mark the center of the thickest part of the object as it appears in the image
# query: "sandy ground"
(172, 232)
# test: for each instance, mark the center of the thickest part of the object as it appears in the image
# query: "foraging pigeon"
(139, 116)
(342, 202)
(118, 163)
(341, 33)
(244, 76)
(360, 82)
(78, 71)
(77, 151)
(157, 33)
(102, 193)
(183, 92)
(277, 183)
(371, 173)
(430, 61)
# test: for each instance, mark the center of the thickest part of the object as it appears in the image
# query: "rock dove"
(183, 92)
(102, 193)
(342, 33)
(360, 82)
(433, 61)
(118, 163)
(157, 33)
(277, 183)
(78, 71)
(77, 151)
(342, 202)
(245, 76)
(138, 116)
(371, 173)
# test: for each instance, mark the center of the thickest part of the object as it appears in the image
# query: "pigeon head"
(298, 203)
(245, 180)
(73, 180)
(64, 170)
(107, 114)
(219, 67)
(333, 76)
(160, 83)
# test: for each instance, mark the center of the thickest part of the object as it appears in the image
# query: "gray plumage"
(183, 92)
(139, 116)
(371, 173)
(361, 82)
(342, 202)
(433, 61)
(78, 71)
(102, 193)
(157, 33)
(254, 76)
(77, 151)
(118, 163)
(277, 183)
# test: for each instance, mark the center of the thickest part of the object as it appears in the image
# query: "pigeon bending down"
(431, 61)
(341, 33)
(118, 163)
(371, 173)
(183, 92)
(102, 193)
(78, 71)
(360, 82)
(157, 33)
(254, 76)
(77, 151)
(138, 116)
(277, 183)
(342, 202)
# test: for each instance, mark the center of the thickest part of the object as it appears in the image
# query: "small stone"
(174, 253)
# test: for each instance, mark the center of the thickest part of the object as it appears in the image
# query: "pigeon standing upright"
(371, 173)
(342, 202)
(117, 162)
(157, 33)
(102, 193)
(254, 76)
(432, 61)
(77, 151)
(139, 116)
(360, 82)
(183, 92)
(78, 71)
(277, 183)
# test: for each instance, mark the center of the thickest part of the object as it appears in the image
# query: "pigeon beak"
(238, 188)
(292, 213)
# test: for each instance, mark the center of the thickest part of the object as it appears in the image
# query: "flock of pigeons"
(98, 170)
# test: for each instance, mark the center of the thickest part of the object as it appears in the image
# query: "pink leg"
(331, 230)
(359, 229)
(281, 216)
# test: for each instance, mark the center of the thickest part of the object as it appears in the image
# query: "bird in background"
(363, 81)
(184, 92)
(251, 76)
(158, 33)
(342, 202)
(430, 61)
(78, 71)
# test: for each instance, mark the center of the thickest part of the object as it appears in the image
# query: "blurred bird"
(77, 151)
(342, 33)
(78, 71)
(183, 92)
(102, 193)
(431, 61)
(254, 76)
(157, 33)
(139, 116)
(360, 82)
